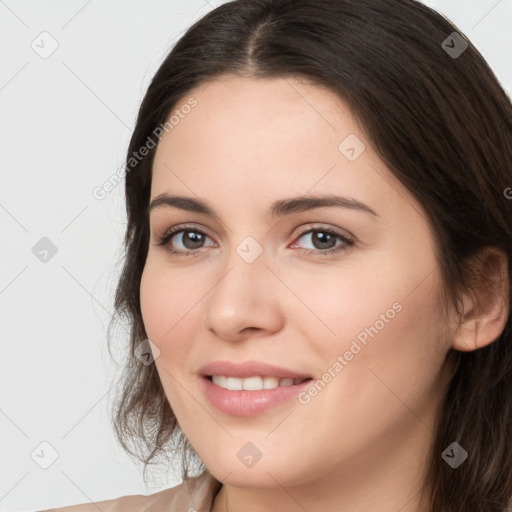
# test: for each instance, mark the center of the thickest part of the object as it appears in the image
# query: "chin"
(268, 472)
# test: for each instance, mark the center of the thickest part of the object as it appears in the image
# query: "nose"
(244, 301)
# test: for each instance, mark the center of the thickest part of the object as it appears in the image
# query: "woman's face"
(346, 295)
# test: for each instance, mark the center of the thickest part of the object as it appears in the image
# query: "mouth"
(247, 389)
(254, 383)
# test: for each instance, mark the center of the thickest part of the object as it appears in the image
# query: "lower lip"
(248, 403)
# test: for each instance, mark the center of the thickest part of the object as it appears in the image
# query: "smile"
(250, 387)
(256, 383)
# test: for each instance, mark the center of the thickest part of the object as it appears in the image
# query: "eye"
(324, 241)
(190, 239)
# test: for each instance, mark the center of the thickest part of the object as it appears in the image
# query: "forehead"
(253, 141)
(235, 108)
(281, 126)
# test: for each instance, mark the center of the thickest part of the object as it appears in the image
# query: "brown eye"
(190, 240)
(324, 241)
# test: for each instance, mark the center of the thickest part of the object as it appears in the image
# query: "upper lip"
(248, 369)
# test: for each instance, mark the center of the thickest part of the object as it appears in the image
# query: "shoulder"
(193, 494)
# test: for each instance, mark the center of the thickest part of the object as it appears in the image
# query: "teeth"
(234, 384)
(270, 382)
(253, 383)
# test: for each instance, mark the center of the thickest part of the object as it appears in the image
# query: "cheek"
(337, 306)
(153, 304)
(171, 307)
(166, 301)
(168, 317)
(382, 317)
(392, 360)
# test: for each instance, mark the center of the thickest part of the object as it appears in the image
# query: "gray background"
(65, 124)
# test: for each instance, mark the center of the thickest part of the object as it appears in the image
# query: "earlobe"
(487, 309)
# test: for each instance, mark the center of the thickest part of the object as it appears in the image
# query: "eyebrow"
(278, 208)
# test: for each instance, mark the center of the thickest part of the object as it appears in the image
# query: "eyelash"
(163, 241)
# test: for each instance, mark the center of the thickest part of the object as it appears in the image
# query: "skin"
(361, 443)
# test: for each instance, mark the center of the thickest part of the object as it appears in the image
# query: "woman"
(318, 265)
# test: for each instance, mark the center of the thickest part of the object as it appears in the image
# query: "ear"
(486, 309)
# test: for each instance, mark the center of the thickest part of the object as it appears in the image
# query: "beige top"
(192, 495)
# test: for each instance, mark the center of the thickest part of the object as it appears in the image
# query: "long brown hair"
(440, 121)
